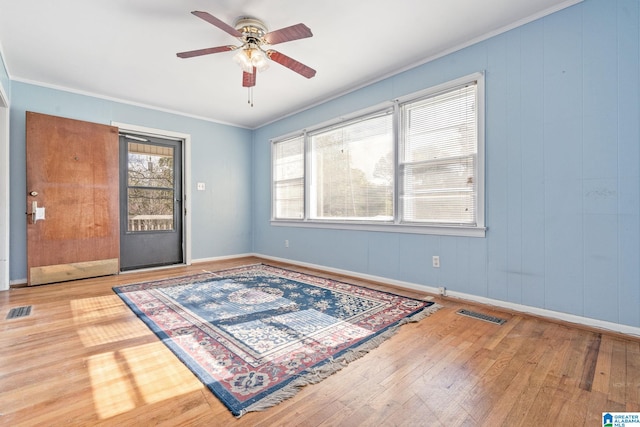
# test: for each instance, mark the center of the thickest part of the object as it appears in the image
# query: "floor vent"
(480, 316)
(19, 312)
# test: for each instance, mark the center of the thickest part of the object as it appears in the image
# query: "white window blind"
(438, 158)
(288, 178)
(352, 170)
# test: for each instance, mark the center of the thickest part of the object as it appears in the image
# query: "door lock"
(36, 212)
(33, 193)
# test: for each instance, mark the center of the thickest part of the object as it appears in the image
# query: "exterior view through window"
(150, 188)
(352, 170)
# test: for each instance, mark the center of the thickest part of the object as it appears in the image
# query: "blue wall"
(562, 172)
(221, 215)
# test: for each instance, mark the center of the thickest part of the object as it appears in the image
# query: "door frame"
(186, 177)
(4, 192)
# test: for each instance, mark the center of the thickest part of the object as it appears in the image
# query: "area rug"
(256, 334)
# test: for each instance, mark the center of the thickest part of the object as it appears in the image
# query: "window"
(438, 158)
(288, 179)
(415, 165)
(352, 170)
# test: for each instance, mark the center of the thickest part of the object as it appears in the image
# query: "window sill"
(387, 228)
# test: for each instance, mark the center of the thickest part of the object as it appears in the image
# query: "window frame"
(396, 225)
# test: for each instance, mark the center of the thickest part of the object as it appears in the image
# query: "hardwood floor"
(83, 358)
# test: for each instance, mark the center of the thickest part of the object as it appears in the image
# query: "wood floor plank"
(83, 358)
(517, 387)
(540, 363)
(618, 380)
(602, 372)
(632, 385)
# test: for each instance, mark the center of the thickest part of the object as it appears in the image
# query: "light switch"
(201, 186)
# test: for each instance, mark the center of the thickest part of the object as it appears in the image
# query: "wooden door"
(72, 199)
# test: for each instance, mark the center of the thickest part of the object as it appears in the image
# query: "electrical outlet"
(200, 186)
(443, 291)
(286, 243)
(436, 261)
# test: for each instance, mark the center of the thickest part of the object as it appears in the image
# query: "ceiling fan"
(254, 52)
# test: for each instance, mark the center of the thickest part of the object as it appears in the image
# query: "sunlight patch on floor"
(136, 376)
(113, 393)
(109, 333)
(98, 308)
(151, 362)
(103, 319)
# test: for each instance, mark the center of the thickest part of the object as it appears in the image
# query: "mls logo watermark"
(621, 419)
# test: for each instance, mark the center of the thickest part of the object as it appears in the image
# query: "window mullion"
(397, 155)
(307, 180)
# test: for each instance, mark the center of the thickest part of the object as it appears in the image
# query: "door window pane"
(150, 209)
(150, 165)
(150, 192)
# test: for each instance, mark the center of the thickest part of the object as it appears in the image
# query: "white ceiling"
(126, 49)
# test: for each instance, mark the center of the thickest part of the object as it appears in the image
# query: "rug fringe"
(428, 311)
(315, 375)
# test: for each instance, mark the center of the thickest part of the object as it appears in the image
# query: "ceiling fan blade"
(207, 51)
(249, 79)
(294, 32)
(218, 23)
(291, 63)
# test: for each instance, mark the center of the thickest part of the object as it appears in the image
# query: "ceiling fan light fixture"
(243, 59)
(250, 57)
(259, 60)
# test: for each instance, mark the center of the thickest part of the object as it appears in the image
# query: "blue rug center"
(266, 319)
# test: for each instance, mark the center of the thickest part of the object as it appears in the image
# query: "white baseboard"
(521, 308)
(225, 257)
